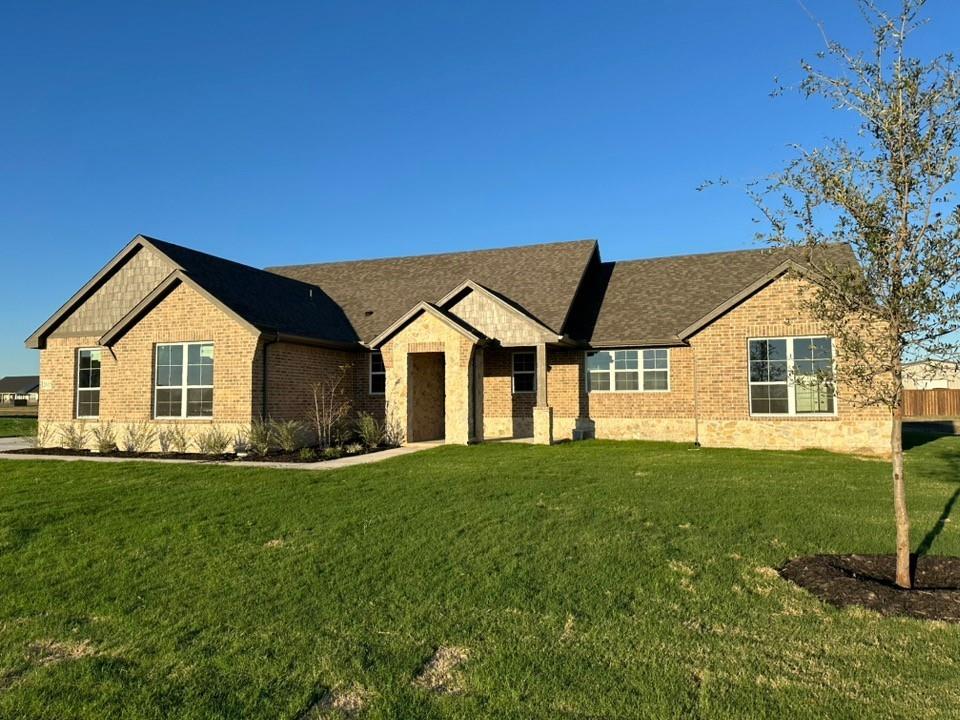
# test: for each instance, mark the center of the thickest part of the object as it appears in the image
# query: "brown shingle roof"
(542, 279)
(638, 302)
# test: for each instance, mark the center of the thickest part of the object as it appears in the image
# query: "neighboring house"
(20, 390)
(927, 375)
(542, 341)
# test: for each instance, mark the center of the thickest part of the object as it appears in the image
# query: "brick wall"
(127, 369)
(293, 369)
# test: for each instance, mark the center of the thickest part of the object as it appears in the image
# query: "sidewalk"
(350, 461)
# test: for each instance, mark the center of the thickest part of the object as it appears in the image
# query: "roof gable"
(542, 279)
(662, 301)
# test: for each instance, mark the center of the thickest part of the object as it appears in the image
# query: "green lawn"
(589, 580)
(17, 426)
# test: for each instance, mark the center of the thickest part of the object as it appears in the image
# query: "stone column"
(542, 412)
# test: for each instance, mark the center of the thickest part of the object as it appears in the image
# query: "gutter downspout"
(696, 400)
(263, 387)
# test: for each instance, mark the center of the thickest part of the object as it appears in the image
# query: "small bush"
(165, 439)
(393, 432)
(105, 438)
(354, 448)
(261, 437)
(369, 430)
(45, 435)
(241, 442)
(139, 437)
(74, 436)
(178, 439)
(288, 434)
(213, 441)
(308, 454)
(332, 453)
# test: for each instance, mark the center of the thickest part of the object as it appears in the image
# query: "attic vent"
(368, 313)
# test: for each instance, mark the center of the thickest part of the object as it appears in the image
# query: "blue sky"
(275, 133)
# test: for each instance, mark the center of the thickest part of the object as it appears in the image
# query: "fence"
(931, 403)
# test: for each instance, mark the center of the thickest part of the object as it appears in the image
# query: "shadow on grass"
(938, 526)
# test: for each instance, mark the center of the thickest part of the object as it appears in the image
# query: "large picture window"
(378, 374)
(184, 380)
(791, 376)
(628, 370)
(88, 383)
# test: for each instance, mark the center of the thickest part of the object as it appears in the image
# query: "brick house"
(543, 341)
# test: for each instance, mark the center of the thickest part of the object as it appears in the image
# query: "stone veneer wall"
(427, 333)
(127, 369)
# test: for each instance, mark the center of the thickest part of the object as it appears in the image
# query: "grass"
(18, 426)
(590, 580)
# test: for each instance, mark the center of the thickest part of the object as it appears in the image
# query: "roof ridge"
(394, 258)
(742, 251)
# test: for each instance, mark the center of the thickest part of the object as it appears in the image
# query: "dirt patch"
(51, 652)
(275, 543)
(346, 702)
(867, 581)
(439, 674)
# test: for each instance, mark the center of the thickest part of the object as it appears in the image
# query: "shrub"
(308, 454)
(332, 453)
(393, 432)
(213, 441)
(139, 437)
(178, 439)
(354, 448)
(288, 434)
(241, 442)
(261, 437)
(74, 436)
(369, 430)
(105, 438)
(45, 435)
(165, 439)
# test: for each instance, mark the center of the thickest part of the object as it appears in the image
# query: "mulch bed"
(118, 454)
(276, 456)
(868, 581)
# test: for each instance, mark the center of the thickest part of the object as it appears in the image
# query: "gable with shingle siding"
(129, 284)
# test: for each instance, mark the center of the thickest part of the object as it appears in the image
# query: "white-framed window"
(791, 376)
(88, 383)
(628, 370)
(524, 372)
(378, 374)
(183, 380)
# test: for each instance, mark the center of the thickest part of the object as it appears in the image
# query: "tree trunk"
(900, 500)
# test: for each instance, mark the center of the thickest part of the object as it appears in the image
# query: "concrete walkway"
(15, 443)
(343, 462)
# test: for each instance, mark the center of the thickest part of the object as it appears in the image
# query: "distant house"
(927, 375)
(20, 390)
(544, 341)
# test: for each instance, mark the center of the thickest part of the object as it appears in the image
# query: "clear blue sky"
(275, 133)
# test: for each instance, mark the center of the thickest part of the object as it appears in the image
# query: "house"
(930, 375)
(544, 341)
(19, 390)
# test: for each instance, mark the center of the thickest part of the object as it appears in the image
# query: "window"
(524, 372)
(791, 376)
(88, 383)
(378, 374)
(628, 370)
(184, 381)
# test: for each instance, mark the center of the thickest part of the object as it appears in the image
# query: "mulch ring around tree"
(868, 581)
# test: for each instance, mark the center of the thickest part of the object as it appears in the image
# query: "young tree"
(888, 192)
(331, 405)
